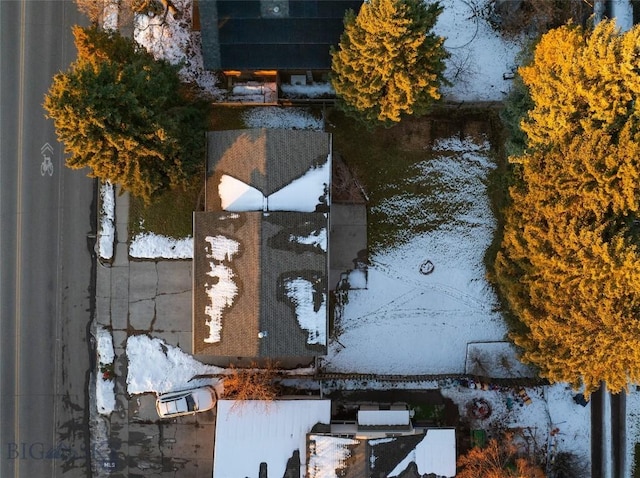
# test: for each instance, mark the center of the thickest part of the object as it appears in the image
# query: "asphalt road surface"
(45, 264)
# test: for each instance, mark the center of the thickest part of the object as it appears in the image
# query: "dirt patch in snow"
(419, 134)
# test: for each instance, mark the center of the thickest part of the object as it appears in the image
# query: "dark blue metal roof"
(271, 34)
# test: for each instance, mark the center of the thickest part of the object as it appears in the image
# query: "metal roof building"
(271, 34)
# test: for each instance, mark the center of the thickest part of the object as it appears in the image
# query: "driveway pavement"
(146, 297)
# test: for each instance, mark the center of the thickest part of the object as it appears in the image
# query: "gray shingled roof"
(249, 154)
(266, 260)
(271, 34)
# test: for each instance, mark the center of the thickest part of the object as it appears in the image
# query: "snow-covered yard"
(423, 322)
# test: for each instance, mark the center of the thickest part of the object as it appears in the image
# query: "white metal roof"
(383, 417)
(436, 453)
(252, 432)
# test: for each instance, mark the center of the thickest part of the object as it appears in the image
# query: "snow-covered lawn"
(480, 56)
(423, 322)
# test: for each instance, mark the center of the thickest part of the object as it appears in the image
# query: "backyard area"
(428, 183)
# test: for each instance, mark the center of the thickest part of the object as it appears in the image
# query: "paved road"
(45, 265)
(608, 434)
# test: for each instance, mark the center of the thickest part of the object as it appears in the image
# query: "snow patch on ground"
(480, 56)
(155, 366)
(173, 39)
(107, 232)
(281, 118)
(105, 381)
(149, 245)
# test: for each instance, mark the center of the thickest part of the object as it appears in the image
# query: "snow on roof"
(301, 195)
(222, 289)
(307, 91)
(436, 454)
(328, 455)
(279, 285)
(252, 432)
(236, 195)
(317, 238)
(383, 417)
(311, 310)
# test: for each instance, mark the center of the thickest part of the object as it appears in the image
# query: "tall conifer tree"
(121, 113)
(389, 63)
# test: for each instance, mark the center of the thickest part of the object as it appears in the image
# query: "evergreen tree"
(569, 265)
(122, 114)
(389, 64)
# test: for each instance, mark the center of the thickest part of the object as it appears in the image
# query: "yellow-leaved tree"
(569, 265)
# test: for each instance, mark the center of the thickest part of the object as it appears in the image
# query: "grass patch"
(170, 214)
(407, 193)
(382, 167)
(430, 413)
(226, 117)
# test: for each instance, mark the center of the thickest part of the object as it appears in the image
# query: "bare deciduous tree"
(252, 383)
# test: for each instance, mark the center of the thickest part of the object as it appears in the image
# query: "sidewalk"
(146, 297)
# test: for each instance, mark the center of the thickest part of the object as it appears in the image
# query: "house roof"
(265, 159)
(271, 34)
(435, 453)
(260, 247)
(256, 273)
(252, 432)
(432, 453)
